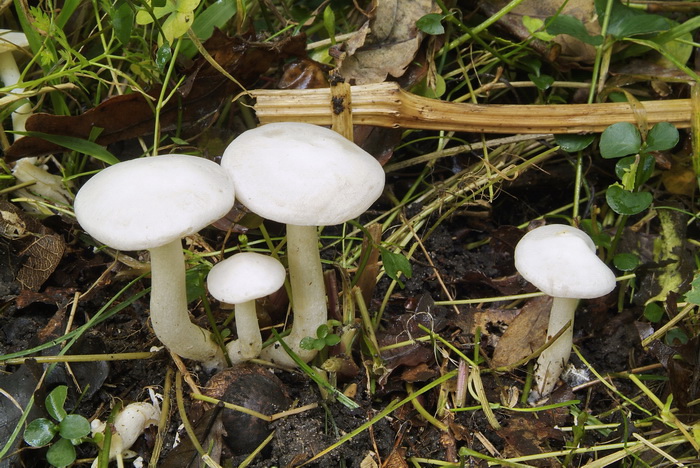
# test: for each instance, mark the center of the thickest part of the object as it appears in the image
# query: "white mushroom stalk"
(560, 260)
(170, 317)
(309, 292)
(11, 41)
(304, 176)
(128, 425)
(240, 280)
(151, 204)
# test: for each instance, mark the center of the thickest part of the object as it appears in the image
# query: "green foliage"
(122, 18)
(535, 27)
(574, 143)
(623, 139)
(395, 263)
(620, 139)
(324, 337)
(653, 312)
(329, 23)
(626, 261)
(178, 14)
(72, 430)
(78, 144)
(625, 21)
(693, 295)
(626, 202)
(431, 24)
(565, 24)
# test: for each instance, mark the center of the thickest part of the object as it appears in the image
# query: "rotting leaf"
(391, 44)
(196, 103)
(42, 257)
(525, 435)
(525, 334)
(39, 248)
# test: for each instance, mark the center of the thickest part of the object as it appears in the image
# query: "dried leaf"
(525, 435)
(526, 333)
(569, 48)
(198, 100)
(40, 248)
(391, 44)
(304, 74)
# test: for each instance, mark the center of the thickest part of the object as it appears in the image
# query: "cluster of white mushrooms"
(302, 175)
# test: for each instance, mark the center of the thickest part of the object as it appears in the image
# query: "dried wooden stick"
(387, 105)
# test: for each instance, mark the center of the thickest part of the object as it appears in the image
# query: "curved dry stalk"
(387, 105)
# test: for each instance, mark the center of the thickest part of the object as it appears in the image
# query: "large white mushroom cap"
(303, 174)
(146, 203)
(560, 261)
(245, 277)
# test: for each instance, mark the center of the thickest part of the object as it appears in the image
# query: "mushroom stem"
(169, 313)
(308, 294)
(249, 342)
(10, 75)
(552, 361)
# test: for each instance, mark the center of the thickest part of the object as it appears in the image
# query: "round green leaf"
(573, 143)
(62, 453)
(332, 340)
(676, 336)
(662, 136)
(620, 139)
(653, 312)
(645, 169)
(163, 56)
(565, 24)
(74, 426)
(625, 202)
(431, 24)
(543, 82)
(626, 261)
(307, 343)
(55, 401)
(322, 331)
(39, 432)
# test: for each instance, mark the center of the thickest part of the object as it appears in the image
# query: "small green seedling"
(72, 430)
(623, 140)
(395, 263)
(324, 337)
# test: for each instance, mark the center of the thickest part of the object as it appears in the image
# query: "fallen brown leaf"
(525, 334)
(389, 46)
(39, 248)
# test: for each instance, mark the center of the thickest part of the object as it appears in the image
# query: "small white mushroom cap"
(245, 277)
(302, 174)
(560, 261)
(147, 202)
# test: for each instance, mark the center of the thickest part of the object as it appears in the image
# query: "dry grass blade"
(387, 105)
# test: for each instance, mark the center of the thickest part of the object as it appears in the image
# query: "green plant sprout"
(180, 15)
(72, 430)
(324, 337)
(635, 166)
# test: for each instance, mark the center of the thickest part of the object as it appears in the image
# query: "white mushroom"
(128, 425)
(304, 176)
(560, 261)
(152, 203)
(11, 42)
(240, 280)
